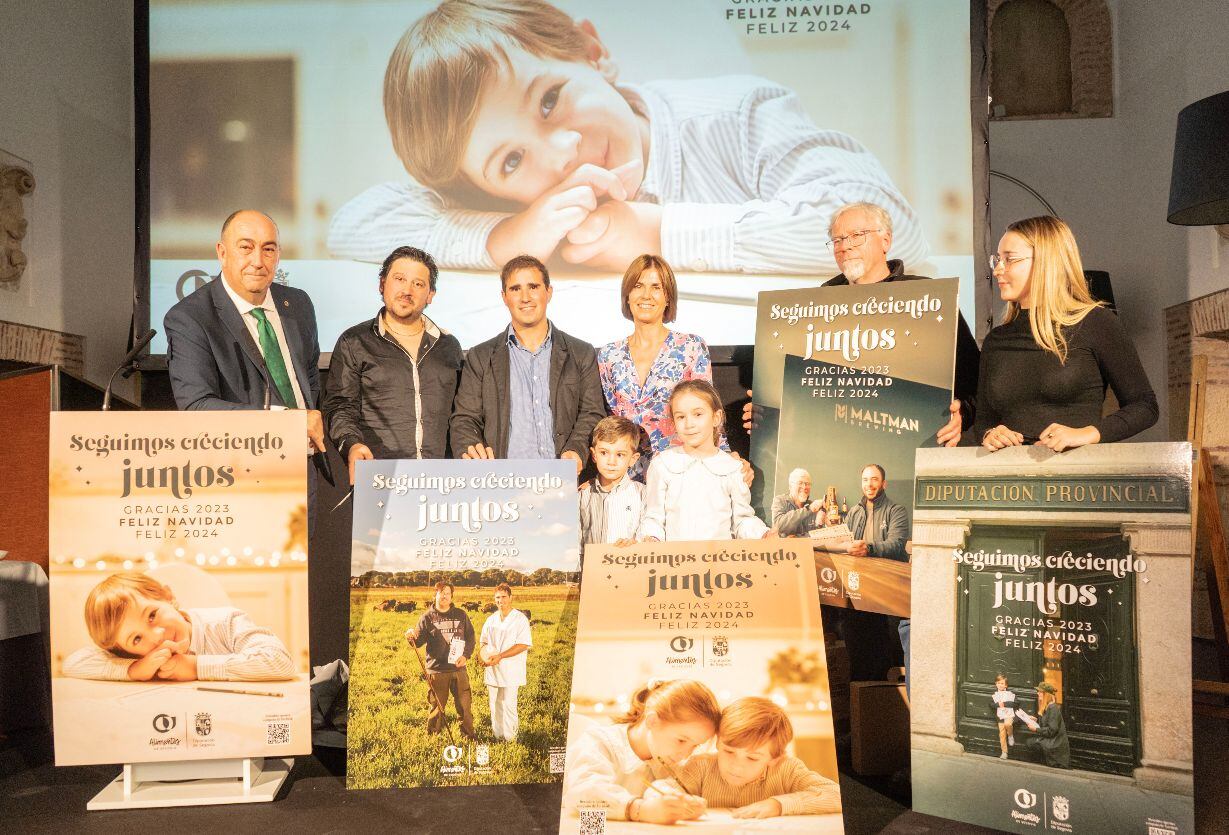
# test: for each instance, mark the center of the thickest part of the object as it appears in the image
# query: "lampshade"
(1199, 189)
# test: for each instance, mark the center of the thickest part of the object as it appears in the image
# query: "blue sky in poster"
(541, 495)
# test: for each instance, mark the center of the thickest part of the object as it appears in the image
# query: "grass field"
(388, 740)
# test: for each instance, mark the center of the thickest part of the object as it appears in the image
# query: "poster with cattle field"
(463, 603)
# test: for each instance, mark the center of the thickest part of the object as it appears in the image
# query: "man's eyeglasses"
(1006, 261)
(851, 240)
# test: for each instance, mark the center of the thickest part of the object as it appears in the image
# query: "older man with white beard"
(860, 239)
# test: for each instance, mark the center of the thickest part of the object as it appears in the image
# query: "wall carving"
(15, 184)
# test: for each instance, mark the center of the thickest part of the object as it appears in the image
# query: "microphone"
(127, 366)
(268, 380)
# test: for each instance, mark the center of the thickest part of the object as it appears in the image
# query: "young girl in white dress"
(695, 491)
(1004, 709)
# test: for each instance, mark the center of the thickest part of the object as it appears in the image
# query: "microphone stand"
(126, 367)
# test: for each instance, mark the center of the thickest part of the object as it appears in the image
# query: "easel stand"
(194, 783)
(1205, 517)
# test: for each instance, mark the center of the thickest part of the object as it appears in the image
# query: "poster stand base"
(193, 783)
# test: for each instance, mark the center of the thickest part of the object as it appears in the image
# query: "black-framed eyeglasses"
(852, 239)
(1007, 260)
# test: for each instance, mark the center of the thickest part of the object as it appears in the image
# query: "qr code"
(592, 821)
(278, 733)
(557, 754)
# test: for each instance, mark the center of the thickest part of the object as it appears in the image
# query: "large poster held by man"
(849, 382)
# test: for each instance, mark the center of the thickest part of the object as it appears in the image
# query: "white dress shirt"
(500, 634)
(245, 309)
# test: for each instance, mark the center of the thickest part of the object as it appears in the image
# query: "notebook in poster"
(1054, 650)
(178, 585)
(848, 377)
(465, 685)
(685, 645)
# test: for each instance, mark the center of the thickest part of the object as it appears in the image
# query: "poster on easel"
(178, 583)
(463, 596)
(700, 693)
(1053, 649)
(849, 382)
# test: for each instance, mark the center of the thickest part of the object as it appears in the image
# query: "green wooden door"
(982, 653)
(1100, 692)
(1100, 698)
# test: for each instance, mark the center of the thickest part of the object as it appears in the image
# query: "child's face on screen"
(1001, 684)
(542, 118)
(149, 622)
(740, 766)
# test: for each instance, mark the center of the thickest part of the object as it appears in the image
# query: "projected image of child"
(142, 635)
(508, 116)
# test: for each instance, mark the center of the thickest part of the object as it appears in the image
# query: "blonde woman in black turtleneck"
(1044, 371)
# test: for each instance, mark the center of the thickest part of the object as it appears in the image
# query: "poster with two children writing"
(178, 566)
(700, 691)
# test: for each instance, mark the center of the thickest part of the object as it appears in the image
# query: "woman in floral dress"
(639, 372)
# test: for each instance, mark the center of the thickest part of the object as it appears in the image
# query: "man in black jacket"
(880, 526)
(448, 635)
(532, 391)
(392, 378)
(861, 237)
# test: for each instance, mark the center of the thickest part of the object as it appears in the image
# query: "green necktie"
(273, 358)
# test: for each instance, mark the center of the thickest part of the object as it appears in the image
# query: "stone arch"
(1089, 52)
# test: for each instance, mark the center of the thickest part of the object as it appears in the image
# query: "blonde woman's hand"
(949, 433)
(1058, 437)
(1000, 437)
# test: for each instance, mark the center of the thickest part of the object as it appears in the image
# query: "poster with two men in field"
(463, 604)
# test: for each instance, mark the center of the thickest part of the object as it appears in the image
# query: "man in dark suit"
(532, 391)
(226, 338)
(219, 344)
